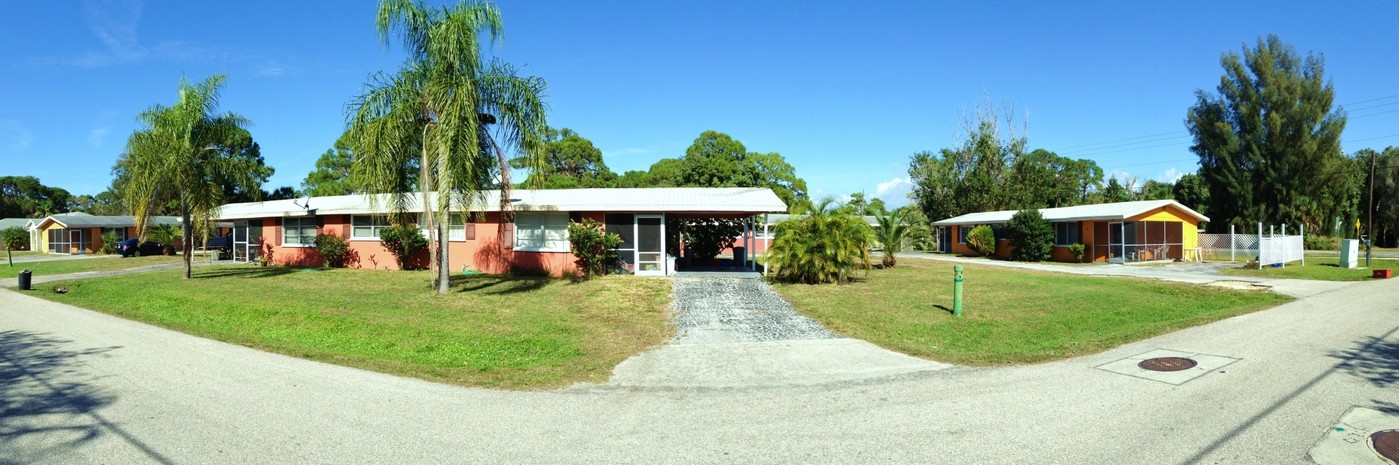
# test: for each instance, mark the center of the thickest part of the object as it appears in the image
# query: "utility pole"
(1370, 244)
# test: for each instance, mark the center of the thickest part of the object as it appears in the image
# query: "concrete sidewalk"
(40, 279)
(1193, 273)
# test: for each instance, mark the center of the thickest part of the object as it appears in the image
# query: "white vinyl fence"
(1269, 247)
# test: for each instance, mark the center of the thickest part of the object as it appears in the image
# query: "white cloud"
(894, 192)
(1171, 175)
(97, 135)
(271, 69)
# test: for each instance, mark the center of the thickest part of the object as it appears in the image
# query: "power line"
(1372, 106)
(1124, 140)
(1371, 100)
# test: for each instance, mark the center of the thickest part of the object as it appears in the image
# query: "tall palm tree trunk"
(429, 212)
(186, 231)
(444, 269)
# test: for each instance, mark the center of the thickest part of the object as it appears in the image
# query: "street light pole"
(1370, 244)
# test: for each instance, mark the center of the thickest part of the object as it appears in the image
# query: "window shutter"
(509, 237)
(471, 231)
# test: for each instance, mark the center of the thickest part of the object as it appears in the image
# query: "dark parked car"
(128, 248)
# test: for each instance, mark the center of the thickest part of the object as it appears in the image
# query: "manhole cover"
(1167, 364)
(1386, 443)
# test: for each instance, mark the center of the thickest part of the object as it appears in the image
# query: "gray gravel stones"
(721, 310)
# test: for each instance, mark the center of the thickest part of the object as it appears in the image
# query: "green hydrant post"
(957, 290)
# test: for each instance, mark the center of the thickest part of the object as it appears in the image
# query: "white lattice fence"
(1280, 249)
(1219, 246)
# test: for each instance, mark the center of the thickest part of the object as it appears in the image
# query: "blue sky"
(845, 91)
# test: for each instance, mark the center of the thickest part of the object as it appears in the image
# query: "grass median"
(1318, 268)
(1012, 316)
(490, 331)
(78, 265)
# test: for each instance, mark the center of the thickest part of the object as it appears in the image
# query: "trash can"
(740, 256)
(25, 278)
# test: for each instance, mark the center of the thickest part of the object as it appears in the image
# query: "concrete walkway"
(59, 257)
(1194, 273)
(738, 333)
(40, 279)
(79, 387)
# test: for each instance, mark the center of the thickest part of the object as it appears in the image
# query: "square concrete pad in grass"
(1204, 363)
(1349, 442)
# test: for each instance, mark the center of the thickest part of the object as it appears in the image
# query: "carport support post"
(957, 290)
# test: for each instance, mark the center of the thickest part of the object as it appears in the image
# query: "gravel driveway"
(738, 333)
(709, 310)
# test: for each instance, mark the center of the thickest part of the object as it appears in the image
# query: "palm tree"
(820, 244)
(177, 156)
(896, 230)
(446, 112)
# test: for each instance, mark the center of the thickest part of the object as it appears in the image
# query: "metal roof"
(1100, 211)
(22, 223)
(84, 220)
(713, 200)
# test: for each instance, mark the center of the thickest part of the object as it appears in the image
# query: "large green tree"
(1265, 136)
(332, 173)
(974, 175)
(456, 113)
(26, 197)
(178, 155)
(1190, 190)
(571, 161)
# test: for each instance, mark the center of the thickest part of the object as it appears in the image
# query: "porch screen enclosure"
(1137, 241)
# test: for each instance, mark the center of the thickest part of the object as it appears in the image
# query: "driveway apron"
(734, 332)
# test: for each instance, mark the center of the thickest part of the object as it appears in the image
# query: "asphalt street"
(81, 387)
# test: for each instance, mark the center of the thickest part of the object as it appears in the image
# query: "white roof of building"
(712, 200)
(84, 220)
(1101, 211)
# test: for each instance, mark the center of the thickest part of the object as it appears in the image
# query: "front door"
(650, 245)
(75, 241)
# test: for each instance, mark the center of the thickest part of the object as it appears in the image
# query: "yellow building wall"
(1190, 227)
(44, 237)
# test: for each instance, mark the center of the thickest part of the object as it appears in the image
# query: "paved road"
(1194, 273)
(80, 387)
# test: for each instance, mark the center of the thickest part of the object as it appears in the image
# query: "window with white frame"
(541, 231)
(456, 228)
(299, 232)
(367, 227)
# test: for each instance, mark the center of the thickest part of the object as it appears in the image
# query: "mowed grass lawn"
(55, 267)
(1012, 316)
(490, 331)
(1320, 268)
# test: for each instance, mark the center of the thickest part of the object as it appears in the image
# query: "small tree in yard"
(404, 242)
(820, 245)
(14, 238)
(333, 249)
(982, 240)
(1031, 235)
(109, 242)
(895, 231)
(594, 248)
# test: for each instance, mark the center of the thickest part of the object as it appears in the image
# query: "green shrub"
(593, 248)
(1077, 249)
(165, 235)
(109, 243)
(404, 242)
(15, 238)
(896, 230)
(333, 249)
(1321, 243)
(1031, 235)
(982, 240)
(820, 245)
